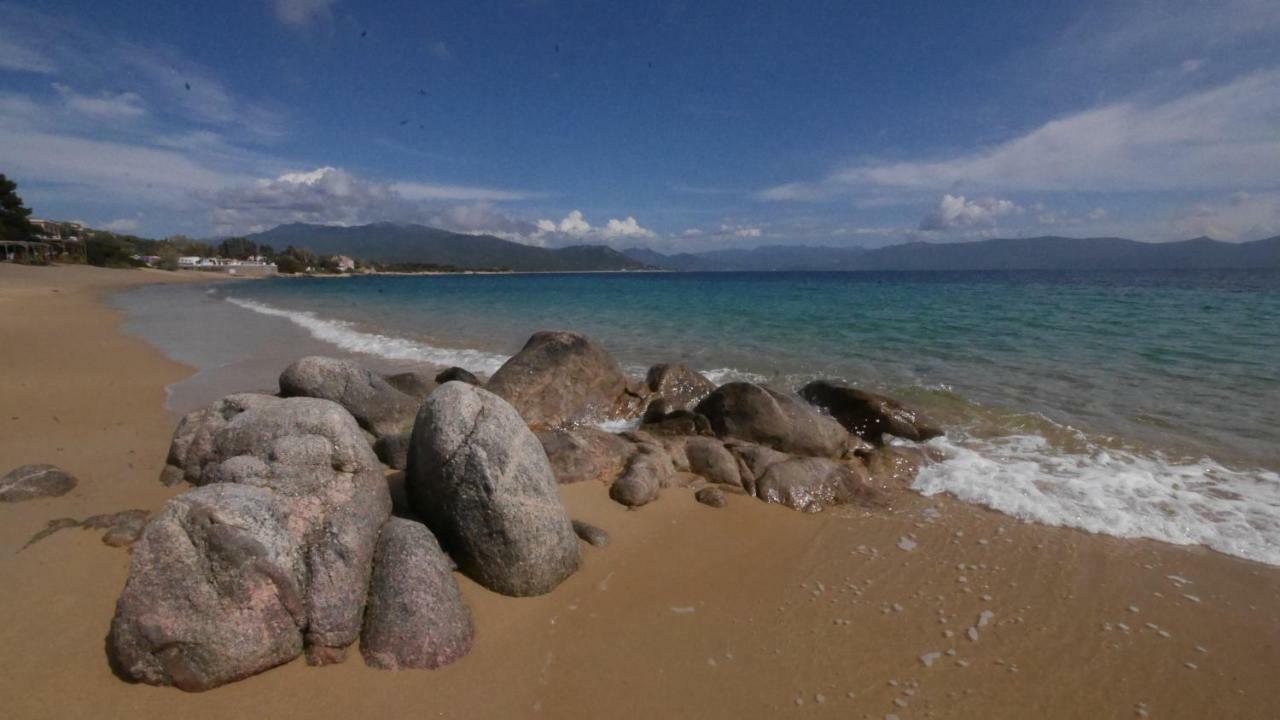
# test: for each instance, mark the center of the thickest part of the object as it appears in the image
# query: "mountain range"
(404, 243)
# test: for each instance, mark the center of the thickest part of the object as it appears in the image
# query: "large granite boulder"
(289, 480)
(709, 458)
(415, 617)
(193, 439)
(811, 484)
(480, 479)
(681, 386)
(760, 415)
(562, 379)
(868, 415)
(29, 482)
(376, 405)
(585, 453)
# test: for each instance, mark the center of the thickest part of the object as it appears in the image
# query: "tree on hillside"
(237, 248)
(14, 222)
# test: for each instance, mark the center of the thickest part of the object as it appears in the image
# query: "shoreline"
(751, 610)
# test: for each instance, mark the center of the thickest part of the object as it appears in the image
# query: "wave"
(345, 335)
(1113, 492)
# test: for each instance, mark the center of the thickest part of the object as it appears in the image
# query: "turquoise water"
(1131, 403)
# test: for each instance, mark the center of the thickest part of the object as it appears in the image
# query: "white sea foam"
(345, 335)
(720, 376)
(619, 426)
(1114, 492)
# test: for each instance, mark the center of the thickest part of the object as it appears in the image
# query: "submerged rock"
(895, 467)
(680, 386)
(415, 617)
(562, 379)
(272, 556)
(480, 479)
(29, 482)
(763, 416)
(372, 401)
(869, 415)
(585, 454)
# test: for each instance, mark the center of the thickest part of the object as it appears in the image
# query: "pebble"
(1191, 666)
(900, 702)
(984, 617)
(819, 698)
(929, 658)
(972, 634)
(906, 544)
(1133, 608)
(1192, 598)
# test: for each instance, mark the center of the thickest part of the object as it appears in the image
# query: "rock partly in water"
(372, 401)
(415, 616)
(868, 415)
(763, 416)
(893, 467)
(681, 386)
(272, 556)
(590, 534)
(51, 527)
(414, 383)
(193, 439)
(480, 479)
(658, 419)
(562, 379)
(29, 482)
(811, 484)
(585, 454)
(711, 496)
(122, 528)
(457, 374)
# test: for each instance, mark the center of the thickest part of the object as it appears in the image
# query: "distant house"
(189, 261)
(343, 263)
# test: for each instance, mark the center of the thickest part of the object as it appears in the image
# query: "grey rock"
(415, 616)
(376, 405)
(679, 385)
(766, 417)
(480, 479)
(868, 415)
(584, 454)
(122, 528)
(709, 458)
(648, 471)
(215, 591)
(393, 450)
(753, 461)
(562, 379)
(711, 496)
(811, 484)
(590, 534)
(414, 383)
(29, 482)
(193, 438)
(457, 374)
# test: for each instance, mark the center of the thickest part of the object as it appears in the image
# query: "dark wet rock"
(50, 528)
(457, 374)
(269, 558)
(415, 616)
(193, 438)
(122, 528)
(710, 459)
(585, 454)
(766, 417)
(480, 479)
(393, 450)
(376, 405)
(811, 484)
(869, 415)
(680, 386)
(590, 534)
(893, 467)
(648, 471)
(414, 383)
(29, 482)
(563, 379)
(711, 496)
(657, 421)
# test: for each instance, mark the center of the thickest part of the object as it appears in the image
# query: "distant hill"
(405, 243)
(1039, 253)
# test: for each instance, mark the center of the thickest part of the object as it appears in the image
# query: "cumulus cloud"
(575, 227)
(302, 12)
(954, 211)
(1219, 138)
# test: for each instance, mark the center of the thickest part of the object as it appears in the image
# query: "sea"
(1134, 404)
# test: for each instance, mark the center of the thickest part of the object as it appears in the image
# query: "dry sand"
(748, 611)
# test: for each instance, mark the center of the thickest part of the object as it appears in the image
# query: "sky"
(683, 126)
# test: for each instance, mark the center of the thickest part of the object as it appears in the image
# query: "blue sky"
(679, 126)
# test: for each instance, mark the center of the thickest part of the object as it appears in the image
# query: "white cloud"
(1191, 65)
(575, 228)
(692, 233)
(1221, 138)
(1241, 216)
(15, 54)
(121, 225)
(1096, 214)
(302, 12)
(954, 211)
(627, 228)
(107, 106)
(423, 191)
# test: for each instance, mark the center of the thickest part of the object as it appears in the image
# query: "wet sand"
(749, 611)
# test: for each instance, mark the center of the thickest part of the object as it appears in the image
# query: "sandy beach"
(931, 608)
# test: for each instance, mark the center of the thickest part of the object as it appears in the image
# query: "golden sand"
(749, 611)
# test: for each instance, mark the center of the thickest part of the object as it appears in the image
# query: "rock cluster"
(286, 544)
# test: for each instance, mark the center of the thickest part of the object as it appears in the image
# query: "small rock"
(590, 534)
(711, 496)
(29, 482)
